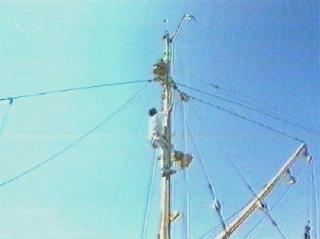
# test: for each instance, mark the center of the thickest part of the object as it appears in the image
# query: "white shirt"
(155, 124)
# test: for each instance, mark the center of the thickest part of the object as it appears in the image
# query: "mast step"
(174, 216)
(168, 172)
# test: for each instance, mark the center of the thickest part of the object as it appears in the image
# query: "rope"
(315, 187)
(203, 164)
(124, 177)
(250, 108)
(239, 171)
(227, 154)
(274, 223)
(248, 119)
(5, 118)
(233, 92)
(275, 206)
(310, 197)
(72, 89)
(186, 171)
(218, 206)
(267, 105)
(150, 196)
(219, 226)
(172, 178)
(242, 175)
(78, 140)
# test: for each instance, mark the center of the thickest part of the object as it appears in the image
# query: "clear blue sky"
(267, 50)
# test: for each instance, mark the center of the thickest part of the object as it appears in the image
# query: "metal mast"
(165, 155)
(168, 86)
(302, 151)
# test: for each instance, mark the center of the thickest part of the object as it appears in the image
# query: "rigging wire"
(248, 119)
(172, 178)
(216, 201)
(5, 118)
(123, 180)
(233, 92)
(79, 139)
(238, 170)
(308, 227)
(275, 206)
(276, 224)
(124, 177)
(227, 154)
(212, 188)
(150, 196)
(73, 89)
(186, 172)
(219, 226)
(310, 198)
(250, 108)
(315, 189)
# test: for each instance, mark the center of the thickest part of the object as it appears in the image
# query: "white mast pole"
(254, 204)
(165, 155)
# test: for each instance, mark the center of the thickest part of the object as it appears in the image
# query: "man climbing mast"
(155, 129)
(158, 138)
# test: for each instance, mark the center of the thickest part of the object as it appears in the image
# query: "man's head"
(153, 111)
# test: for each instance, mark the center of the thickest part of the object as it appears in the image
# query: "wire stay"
(186, 171)
(73, 89)
(248, 119)
(231, 159)
(250, 108)
(5, 118)
(150, 196)
(275, 223)
(216, 201)
(79, 139)
(239, 171)
(272, 109)
(249, 186)
(124, 178)
(316, 203)
(275, 206)
(220, 226)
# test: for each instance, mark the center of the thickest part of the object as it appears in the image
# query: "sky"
(262, 54)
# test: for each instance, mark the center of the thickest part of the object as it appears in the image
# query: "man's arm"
(171, 107)
(167, 112)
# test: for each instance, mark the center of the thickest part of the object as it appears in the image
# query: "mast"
(163, 76)
(302, 151)
(163, 71)
(165, 155)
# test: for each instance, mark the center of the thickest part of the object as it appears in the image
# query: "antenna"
(186, 17)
